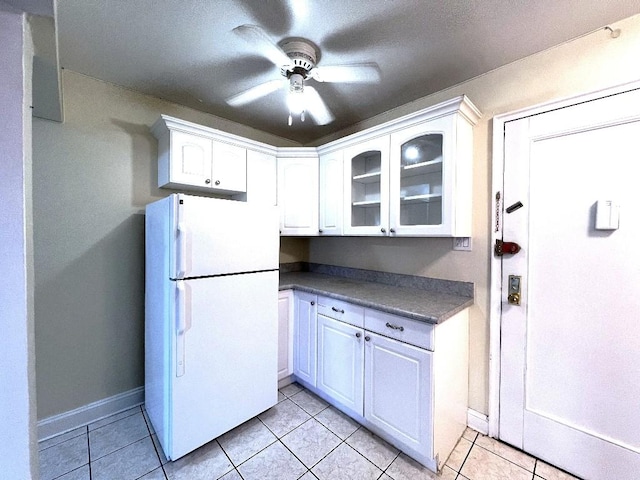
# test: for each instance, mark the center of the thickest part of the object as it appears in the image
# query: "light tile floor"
(300, 438)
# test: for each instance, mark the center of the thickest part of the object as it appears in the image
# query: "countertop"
(418, 304)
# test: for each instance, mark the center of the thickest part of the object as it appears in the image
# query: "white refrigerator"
(211, 307)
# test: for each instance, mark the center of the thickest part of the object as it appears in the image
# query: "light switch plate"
(462, 243)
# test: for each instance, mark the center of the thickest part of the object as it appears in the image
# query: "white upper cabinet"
(411, 176)
(331, 192)
(261, 179)
(193, 157)
(366, 188)
(430, 179)
(298, 195)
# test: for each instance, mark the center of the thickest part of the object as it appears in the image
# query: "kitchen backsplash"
(399, 280)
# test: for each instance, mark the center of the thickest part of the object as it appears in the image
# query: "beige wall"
(587, 64)
(92, 177)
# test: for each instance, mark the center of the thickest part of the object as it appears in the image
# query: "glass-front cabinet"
(366, 188)
(424, 180)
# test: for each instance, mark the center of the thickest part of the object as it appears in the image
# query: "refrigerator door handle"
(182, 250)
(183, 323)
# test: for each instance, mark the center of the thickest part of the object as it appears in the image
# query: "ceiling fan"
(297, 59)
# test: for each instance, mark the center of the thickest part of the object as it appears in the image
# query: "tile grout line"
(89, 452)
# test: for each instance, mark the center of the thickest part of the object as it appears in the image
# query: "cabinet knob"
(313, 303)
(367, 338)
(383, 230)
(207, 181)
(392, 230)
(320, 231)
(217, 182)
(358, 335)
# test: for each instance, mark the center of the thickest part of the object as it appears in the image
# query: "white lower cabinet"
(285, 334)
(304, 337)
(341, 362)
(398, 394)
(403, 379)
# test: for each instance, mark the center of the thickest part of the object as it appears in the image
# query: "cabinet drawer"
(343, 311)
(403, 329)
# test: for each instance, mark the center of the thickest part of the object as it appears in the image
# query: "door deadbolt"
(513, 296)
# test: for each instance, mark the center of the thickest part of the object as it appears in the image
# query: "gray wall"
(93, 176)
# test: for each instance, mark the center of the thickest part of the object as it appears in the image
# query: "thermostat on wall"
(607, 215)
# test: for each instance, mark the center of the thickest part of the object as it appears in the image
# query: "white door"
(331, 191)
(213, 236)
(229, 168)
(304, 337)
(398, 391)
(298, 195)
(366, 188)
(570, 352)
(341, 362)
(285, 334)
(191, 157)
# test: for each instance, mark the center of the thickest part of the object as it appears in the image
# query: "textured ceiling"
(185, 51)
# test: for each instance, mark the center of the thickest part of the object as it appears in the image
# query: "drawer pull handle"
(337, 310)
(395, 327)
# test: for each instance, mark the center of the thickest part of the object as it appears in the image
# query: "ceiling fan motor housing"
(303, 57)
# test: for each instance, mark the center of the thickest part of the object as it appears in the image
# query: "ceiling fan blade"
(256, 37)
(316, 107)
(356, 73)
(256, 92)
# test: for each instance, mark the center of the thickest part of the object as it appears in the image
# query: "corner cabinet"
(197, 158)
(298, 192)
(330, 195)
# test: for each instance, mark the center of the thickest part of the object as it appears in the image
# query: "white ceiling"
(185, 51)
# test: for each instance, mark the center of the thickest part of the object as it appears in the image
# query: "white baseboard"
(81, 416)
(478, 421)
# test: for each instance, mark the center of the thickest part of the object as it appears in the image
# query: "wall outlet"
(462, 243)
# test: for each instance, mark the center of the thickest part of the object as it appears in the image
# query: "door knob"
(514, 299)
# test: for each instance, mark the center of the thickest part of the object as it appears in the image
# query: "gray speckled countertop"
(419, 304)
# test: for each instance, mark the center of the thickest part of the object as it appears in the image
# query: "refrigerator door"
(213, 236)
(224, 357)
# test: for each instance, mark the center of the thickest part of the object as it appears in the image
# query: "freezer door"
(214, 236)
(224, 356)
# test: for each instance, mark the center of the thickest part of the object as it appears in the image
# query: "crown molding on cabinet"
(461, 105)
(166, 123)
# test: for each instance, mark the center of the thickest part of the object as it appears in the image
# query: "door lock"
(513, 296)
(502, 248)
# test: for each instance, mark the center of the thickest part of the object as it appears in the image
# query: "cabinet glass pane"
(365, 189)
(421, 181)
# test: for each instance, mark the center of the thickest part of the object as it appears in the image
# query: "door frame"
(497, 185)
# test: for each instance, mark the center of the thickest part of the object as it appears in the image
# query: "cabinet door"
(229, 170)
(261, 179)
(285, 334)
(304, 337)
(298, 196)
(366, 188)
(331, 192)
(398, 391)
(426, 179)
(341, 362)
(190, 159)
